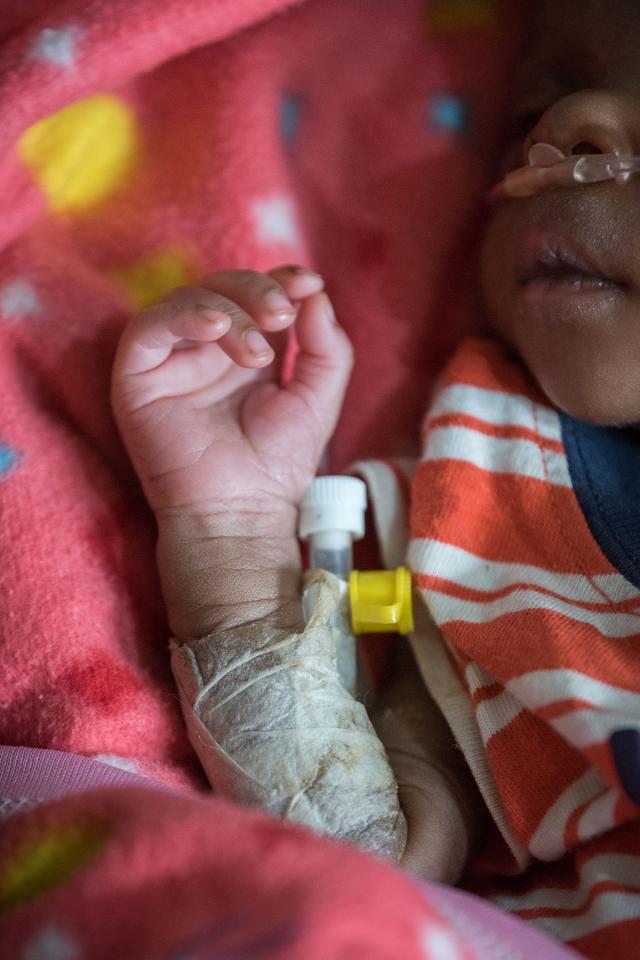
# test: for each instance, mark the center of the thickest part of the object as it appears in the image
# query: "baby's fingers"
(324, 359)
(186, 314)
(195, 315)
(270, 298)
(297, 282)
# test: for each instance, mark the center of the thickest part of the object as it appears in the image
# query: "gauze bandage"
(274, 727)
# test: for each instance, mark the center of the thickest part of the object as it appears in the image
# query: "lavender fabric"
(495, 935)
(29, 776)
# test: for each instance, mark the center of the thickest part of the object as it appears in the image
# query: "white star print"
(50, 945)
(114, 761)
(275, 220)
(18, 298)
(439, 945)
(56, 46)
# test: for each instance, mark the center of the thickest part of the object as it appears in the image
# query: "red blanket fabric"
(143, 144)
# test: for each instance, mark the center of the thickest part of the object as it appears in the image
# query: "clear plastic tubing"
(331, 517)
(332, 550)
(549, 168)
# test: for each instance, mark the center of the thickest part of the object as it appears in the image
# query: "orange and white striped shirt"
(536, 663)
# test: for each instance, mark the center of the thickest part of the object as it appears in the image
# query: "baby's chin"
(598, 390)
(583, 351)
(599, 410)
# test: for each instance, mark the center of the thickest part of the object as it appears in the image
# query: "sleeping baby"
(525, 534)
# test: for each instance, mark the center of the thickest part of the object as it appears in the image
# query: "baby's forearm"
(227, 568)
(235, 576)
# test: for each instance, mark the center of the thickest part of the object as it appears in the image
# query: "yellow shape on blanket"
(44, 862)
(445, 15)
(149, 279)
(83, 153)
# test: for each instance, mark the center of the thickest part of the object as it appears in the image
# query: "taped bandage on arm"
(274, 727)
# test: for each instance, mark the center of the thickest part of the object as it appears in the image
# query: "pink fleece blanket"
(141, 145)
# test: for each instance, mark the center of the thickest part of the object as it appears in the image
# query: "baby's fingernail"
(257, 343)
(215, 318)
(276, 302)
(304, 272)
(329, 311)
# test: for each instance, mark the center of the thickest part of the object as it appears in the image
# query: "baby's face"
(561, 270)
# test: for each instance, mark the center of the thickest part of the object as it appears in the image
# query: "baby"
(541, 625)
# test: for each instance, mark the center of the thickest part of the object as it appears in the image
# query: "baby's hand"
(196, 392)
(438, 796)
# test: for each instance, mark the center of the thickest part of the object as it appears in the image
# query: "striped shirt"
(538, 666)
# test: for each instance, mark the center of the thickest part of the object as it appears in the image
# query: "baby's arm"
(444, 810)
(225, 452)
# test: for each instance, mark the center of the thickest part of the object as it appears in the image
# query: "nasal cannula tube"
(549, 168)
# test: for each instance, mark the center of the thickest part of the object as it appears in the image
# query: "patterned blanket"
(143, 144)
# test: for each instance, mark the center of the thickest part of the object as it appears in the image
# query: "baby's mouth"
(549, 264)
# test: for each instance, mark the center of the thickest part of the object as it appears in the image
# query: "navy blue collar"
(604, 463)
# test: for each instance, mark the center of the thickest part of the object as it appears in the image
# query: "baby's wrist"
(223, 570)
(236, 518)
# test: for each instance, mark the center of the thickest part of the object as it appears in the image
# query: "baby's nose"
(591, 121)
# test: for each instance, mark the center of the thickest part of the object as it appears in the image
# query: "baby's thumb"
(324, 360)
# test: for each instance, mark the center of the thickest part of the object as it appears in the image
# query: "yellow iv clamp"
(381, 601)
(331, 518)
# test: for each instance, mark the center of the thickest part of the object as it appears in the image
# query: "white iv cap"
(333, 503)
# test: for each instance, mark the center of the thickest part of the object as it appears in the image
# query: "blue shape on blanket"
(625, 746)
(8, 458)
(447, 111)
(290, 111)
